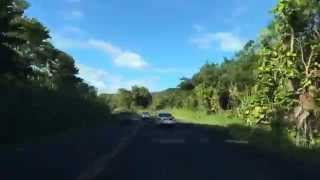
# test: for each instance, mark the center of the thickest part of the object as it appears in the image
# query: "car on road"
(165, 118)
(146, 115)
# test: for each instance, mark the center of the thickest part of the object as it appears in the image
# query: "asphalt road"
(61, 158)
(188, 152)
(147, 153)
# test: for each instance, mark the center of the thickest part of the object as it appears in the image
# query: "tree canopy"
(41, 92)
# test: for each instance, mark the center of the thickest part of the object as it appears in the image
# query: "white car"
(165, 119)
(145, 115)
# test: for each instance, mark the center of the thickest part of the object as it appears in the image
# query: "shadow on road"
(184, 151)
(191, 151)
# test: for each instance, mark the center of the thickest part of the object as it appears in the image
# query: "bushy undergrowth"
(28, 113)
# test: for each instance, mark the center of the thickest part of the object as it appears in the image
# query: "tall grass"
(201, 117)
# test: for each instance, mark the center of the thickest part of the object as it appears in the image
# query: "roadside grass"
(197, 117)
(261, 137)
(201, 117)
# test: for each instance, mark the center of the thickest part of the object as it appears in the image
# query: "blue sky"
(120, 43)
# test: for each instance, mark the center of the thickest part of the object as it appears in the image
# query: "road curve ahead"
(189, 152)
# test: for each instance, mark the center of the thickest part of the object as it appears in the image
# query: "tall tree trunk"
(292, 40)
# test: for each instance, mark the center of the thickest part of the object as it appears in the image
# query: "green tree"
(110, 100)
(124, 98)
(64, 73)
(141, 96)
(186, 84)
(289, 67)
(12, 64)
(207, 96)
(41, 92)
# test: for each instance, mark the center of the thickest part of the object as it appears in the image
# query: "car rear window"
(165, 115)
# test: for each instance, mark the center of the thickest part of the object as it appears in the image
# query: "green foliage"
(141, 96)
(11, 12)
(124, 99)
(186, 84)
(202, 117)
(274, 80)
(110, 100)
(288, 69)
(215, 87)
(138, 97)
(171, 98)
(41, 92)
(207, 96)
(29, 112)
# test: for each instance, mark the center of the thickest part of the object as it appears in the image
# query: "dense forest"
(128, 100)
(41, 93)
(216, 87)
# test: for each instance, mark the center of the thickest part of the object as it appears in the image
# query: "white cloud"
(102, 80)
(225, 40)
(106, 82)
(105, 47)
(121, 58)
(229, 42)
(130, 59)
